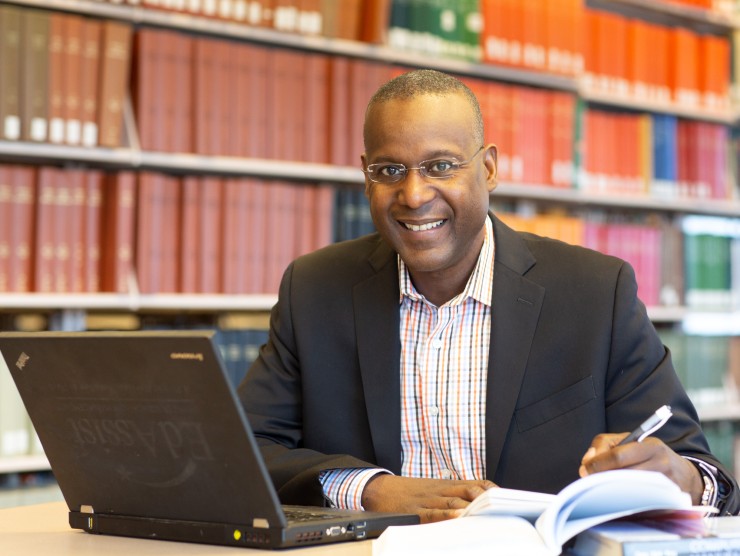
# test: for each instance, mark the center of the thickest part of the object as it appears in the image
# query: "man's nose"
(415, 189)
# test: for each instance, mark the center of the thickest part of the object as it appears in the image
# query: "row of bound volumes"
(638, 59)
(65, 77)
(675, 263)
(217, 97)
(359, 20)
(658, 155)
(74, 230)
(238, 349)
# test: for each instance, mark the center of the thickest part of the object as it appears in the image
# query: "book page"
(472, 536)
(605, 496)
(507, 501)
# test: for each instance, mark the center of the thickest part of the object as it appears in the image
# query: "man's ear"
(363, 158)
(491, 162)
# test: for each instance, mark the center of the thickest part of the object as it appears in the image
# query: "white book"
(505, 521)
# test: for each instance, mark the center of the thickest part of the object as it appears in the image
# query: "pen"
(651, 424)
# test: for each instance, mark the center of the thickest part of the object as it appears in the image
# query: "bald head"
(427, 82)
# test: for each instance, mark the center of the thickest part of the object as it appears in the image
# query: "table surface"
(43, 530)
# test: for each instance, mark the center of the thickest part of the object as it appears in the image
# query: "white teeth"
(421, 228)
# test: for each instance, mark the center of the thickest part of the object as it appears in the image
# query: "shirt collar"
(479, 284)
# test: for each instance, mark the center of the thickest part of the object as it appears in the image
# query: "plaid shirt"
(444, 368)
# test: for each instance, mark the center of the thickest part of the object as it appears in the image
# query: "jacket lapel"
(379, 351)
(516, 303)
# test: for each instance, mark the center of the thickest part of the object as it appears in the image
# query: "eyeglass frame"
(421, 168)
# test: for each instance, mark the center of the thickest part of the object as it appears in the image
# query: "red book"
(177, 100)
(73, 80)
(236, 224)
(280, 127)
(23, 181)
(281, 232)
(114, 81)
(315, 138)
(118, 237)
(258, 86)
(261, 228)
(167, 245)
(91, 230)
(89, 72)
(45, 244)
(75, 228)
(211, 240)
(305, 215)
(6, 225)
(57, 79)
(561, 126)
(239, 96)
(222, 114)
(339, 100)
(206, 72)
(190, 223)
(322, 218)
(64, 234)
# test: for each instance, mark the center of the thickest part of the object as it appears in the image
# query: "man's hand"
(651, 454)
(431, 499)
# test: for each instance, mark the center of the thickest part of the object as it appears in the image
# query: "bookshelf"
(132, 158)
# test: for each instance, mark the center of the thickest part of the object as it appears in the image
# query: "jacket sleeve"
(271, 394)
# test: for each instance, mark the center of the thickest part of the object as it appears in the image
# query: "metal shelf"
(24, 464)
(136, 303)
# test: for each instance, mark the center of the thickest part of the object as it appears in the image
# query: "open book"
(506, 521)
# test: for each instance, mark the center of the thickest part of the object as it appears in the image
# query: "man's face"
(436, 225)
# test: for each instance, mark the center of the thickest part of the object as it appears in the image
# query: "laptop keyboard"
(301, 514)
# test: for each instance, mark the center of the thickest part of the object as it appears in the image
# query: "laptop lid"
(142, 424)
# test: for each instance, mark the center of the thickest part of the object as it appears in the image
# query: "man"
(412, 369)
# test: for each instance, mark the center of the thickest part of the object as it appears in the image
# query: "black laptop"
(146, 438)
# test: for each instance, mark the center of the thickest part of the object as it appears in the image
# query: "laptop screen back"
(142, 424)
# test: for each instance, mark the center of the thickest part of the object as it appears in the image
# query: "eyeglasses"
(437, 168)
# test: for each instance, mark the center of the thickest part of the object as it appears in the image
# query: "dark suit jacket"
(573, 354)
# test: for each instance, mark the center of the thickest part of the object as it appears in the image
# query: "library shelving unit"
(134, 158)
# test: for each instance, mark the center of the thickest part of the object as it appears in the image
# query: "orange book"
(684, 66)
(34, 75)
(73, 80)
(375, 21)
(114, 80)
(57, 79)
(492, 37)
(310, 19)
(556, 36)
(91, 231)
(89, 72)
(638, 57)
(350, 19)
(10, 53)
(512, 12)
(534, 47)
(118, 238)
(285, 15)
(714, 71)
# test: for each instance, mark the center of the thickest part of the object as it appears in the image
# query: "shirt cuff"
(343, 487)
(709, 476)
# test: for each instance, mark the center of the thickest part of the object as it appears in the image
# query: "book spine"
(116, 55)
(34, 75)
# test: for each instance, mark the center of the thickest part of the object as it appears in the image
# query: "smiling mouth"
(423, 227)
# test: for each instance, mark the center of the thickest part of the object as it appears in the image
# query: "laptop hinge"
(85, 509)
(260, 523)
